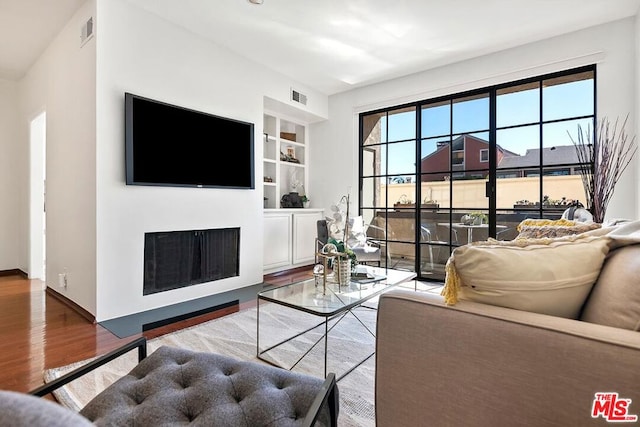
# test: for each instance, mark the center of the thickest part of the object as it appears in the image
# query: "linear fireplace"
(175, 259)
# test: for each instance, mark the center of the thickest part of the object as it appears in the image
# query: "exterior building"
(470, 160)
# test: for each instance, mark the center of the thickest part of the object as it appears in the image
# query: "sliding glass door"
(484, 160)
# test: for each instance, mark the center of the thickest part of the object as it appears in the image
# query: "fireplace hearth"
(176, 259)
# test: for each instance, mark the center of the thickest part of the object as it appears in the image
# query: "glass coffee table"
(298, 337)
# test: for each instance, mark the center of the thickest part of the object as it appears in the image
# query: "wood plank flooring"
(38, 331)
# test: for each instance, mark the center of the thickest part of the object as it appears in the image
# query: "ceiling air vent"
(86, 32)
(298, 97)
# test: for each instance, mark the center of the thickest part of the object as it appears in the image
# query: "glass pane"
(402, 158)
(402, 195)
(435, 190)
(371, 161)
(402, 255)
(430, 146)
(367, 215)
(471, 114)
(470, 191)
(433, 259)
(518, 146)
(559, 134)
(374, 193)
(436, 119)
(435, 155)
(561, 190)
(568, 96)
(517, 105)
(383, 159)
(402, 124)
(470, 225)
(483, 136)
(507, 223)
(457, 158)
(374, 128)
(467, 148)
(515, 191)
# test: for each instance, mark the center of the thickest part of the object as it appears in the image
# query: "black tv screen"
(168, 145)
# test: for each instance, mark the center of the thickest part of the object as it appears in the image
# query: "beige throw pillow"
(549, 276)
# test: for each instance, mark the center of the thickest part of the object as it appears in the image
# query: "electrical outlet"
(62, 280)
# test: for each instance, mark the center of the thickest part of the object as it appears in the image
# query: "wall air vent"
(86, 32)
(298, 97)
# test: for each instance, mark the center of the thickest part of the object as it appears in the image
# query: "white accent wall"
(12, 180)
(96, 223)
(62, 83)
(611, 46)
(143, 54)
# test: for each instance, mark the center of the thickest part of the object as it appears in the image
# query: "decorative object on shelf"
(291, 200)
(287, 158)
(288, 135)
(294, 182)
(268, 179)
(305, 201)
(609, 151)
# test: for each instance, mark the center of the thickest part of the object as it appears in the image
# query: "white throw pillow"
(548, 276)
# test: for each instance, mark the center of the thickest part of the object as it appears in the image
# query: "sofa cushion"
(548, 276)
(615, 299)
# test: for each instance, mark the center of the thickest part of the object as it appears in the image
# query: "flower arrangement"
(339, 230)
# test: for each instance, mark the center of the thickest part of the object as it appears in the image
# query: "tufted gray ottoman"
(178, 387)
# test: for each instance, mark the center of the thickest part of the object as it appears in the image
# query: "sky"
(560, 101)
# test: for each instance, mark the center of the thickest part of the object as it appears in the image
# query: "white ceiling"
(331, 45)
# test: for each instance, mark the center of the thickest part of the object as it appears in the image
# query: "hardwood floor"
(39, 331)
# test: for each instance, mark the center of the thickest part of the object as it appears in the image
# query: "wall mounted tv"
(167, 145)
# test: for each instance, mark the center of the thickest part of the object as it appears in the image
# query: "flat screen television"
(168, 145)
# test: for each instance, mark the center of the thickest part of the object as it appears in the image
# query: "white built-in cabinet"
(284, 159)
(289, 238)
(289, 233)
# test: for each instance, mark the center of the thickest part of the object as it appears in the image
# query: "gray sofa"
(473, 364)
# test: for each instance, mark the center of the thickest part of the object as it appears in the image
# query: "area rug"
(235, 335)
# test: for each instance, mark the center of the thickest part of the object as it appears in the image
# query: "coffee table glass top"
(309, 297)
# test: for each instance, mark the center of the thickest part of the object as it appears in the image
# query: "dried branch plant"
(603, 162)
